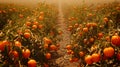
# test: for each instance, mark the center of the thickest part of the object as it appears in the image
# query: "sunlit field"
(59, 33)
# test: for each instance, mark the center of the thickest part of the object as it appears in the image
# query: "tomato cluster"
(95, 35)
(30, 36)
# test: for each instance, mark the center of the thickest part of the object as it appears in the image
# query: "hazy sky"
(56, 1)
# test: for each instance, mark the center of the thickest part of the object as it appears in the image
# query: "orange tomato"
(34, 26)
(91, 40)
(68, 47)
(35, 23)
(60, 32)
(95, 57)
(15, 54)
(85, 29)
(27, 35)
(48, 56)
(107, 38)
(21, 15)
(2, 46)
(88, 25)
(70, 27)
(81, 53)
(0, 11)
(27, 30)
(71, 60)
(41, 18)
(88, 59)
(18, 44)
(32, 63)
(75, 59)
(109, 51)
(28, 23)
(115, 40)
(100, 35)
(85, 41)
(40, 26)
(41, 13)
(69, 51)
(90, 15)
(46, 65)
(26, 53)
(19, 32)
(76, 25)
(105, 19)
(45, 46)
(53, 47)
(94, 24)
(47, 40)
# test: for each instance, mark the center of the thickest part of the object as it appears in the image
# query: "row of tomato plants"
(29, 35)
(95, 38)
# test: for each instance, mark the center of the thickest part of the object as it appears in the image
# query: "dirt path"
(63, 60)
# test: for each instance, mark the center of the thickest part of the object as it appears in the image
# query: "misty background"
(64, 2)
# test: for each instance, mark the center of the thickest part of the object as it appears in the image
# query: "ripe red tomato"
(109, 51)
(88, 59)
(26, 53)
(32, 63)
(115, 40)
(95, 57)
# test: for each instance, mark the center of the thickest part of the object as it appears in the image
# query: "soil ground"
(63, 60)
